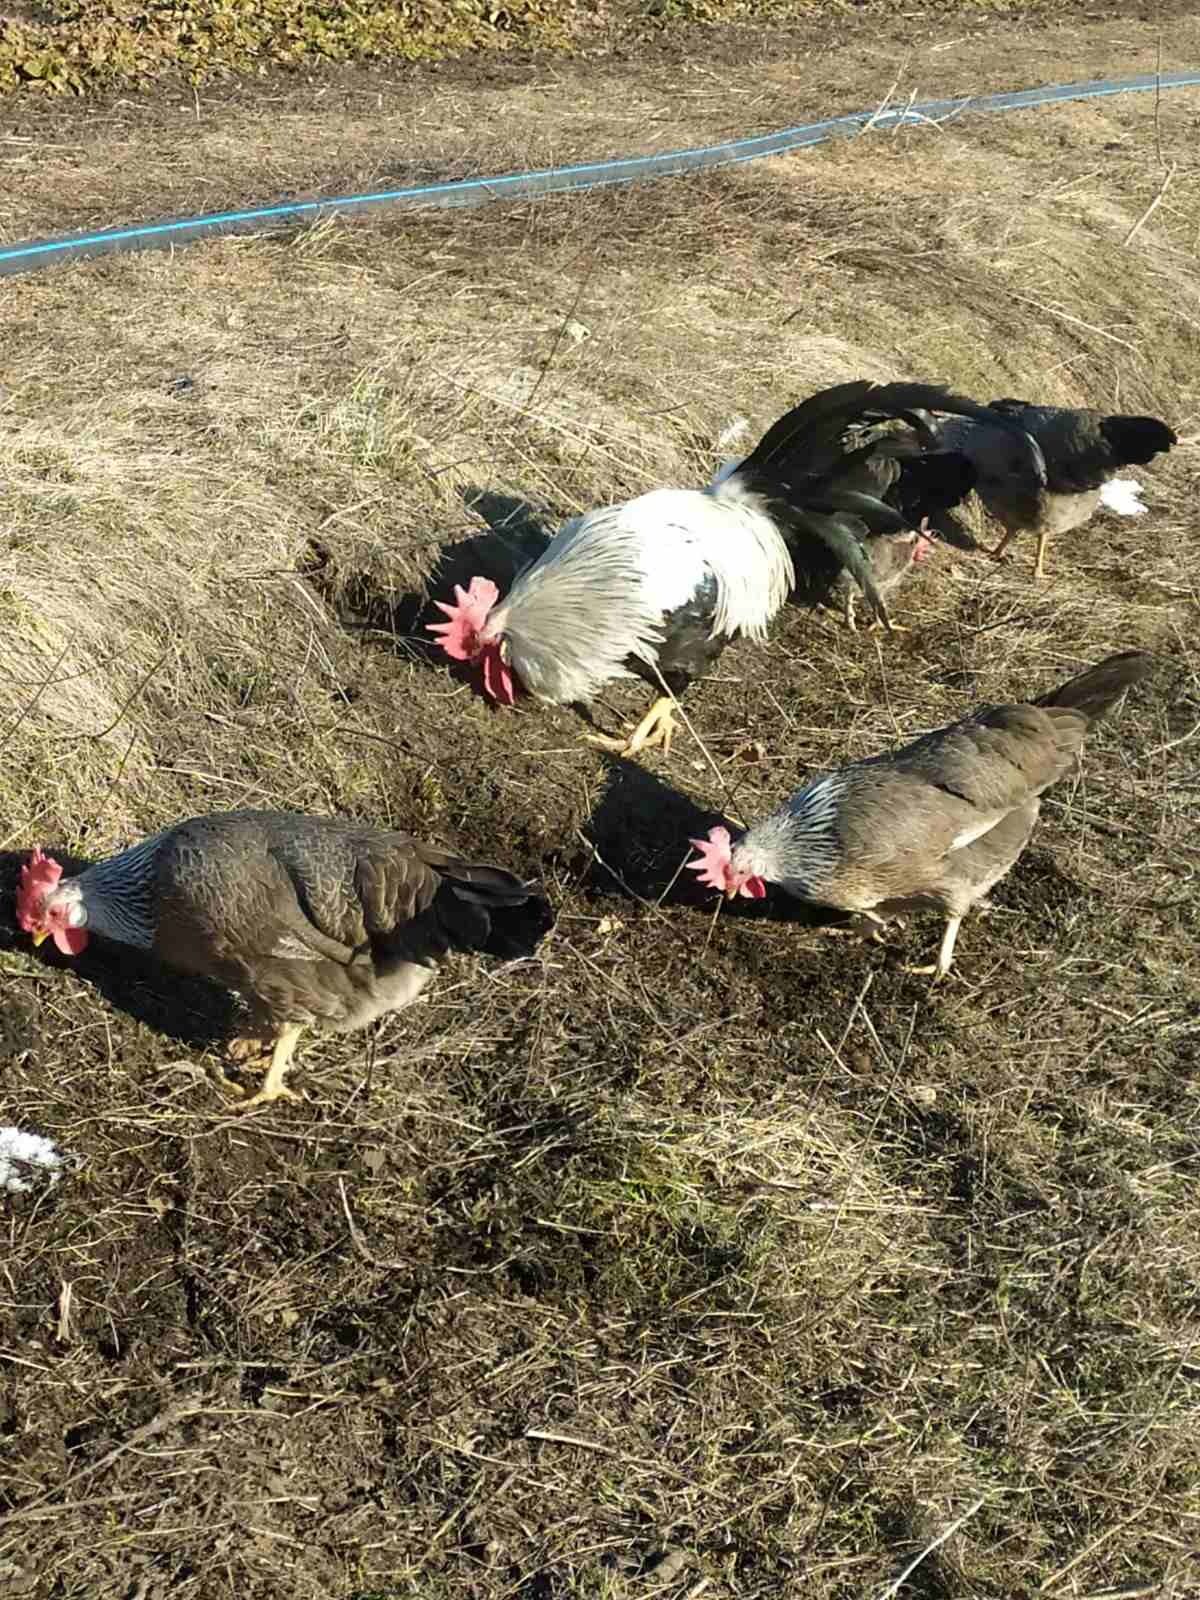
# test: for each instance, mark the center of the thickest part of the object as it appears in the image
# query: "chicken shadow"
(639, 833)
(191, 1011)
(516, 534)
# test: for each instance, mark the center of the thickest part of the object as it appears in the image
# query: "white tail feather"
(1123, 495)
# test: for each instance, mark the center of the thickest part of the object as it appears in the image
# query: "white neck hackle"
(798, 843)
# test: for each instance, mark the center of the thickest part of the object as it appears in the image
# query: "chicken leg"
(998, 552)
(281, 1059)
(657, 727)
(1039, 566)
(941, 966)
(876, 625)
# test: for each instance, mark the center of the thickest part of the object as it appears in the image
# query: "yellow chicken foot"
(941, 966)
(245, 1052)
(851, 621)
(281, 1059)
(657, 727)
(879, 626)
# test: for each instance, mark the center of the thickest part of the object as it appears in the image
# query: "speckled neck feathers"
(798, 845)
(119, 895)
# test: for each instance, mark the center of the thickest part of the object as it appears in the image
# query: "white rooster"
(657, 586)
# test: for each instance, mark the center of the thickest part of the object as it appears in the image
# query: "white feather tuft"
(597, 594)
(1123, 495)
(734, 431)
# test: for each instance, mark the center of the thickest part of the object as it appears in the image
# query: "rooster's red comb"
(715, 854)
(39, 874)
(459, 635)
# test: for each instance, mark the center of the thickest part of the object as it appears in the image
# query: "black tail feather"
(796, 446)
(810, 473)
(801, 432)
(928, 489)
(1097, 690)
(937, 481)
(517, 930)
(489, 910)
(950, 531)
(839, 543)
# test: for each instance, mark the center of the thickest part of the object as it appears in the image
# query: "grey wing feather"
(998, 758)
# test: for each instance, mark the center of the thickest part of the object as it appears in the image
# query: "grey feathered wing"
(307, 915)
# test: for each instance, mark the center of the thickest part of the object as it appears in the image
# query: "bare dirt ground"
(693, 1258)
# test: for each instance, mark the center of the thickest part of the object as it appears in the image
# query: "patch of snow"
(24, 1158)
(1123, 495)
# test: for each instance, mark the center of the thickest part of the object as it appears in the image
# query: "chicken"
(657, 586)
(923, 483)
(893, 557)
(1084, 450)
(935, 824)
(313, 921)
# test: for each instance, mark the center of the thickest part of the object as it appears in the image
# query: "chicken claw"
(938, 969)
(866, 925)
(281, 1050)
(657, 728)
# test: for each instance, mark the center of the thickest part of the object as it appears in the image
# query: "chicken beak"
(40, 936)
(732, 894)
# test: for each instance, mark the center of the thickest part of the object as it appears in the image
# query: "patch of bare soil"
(698, 1256)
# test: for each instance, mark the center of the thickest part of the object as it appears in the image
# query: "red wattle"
(498, 681)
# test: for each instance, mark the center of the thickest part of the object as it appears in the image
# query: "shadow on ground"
(640, 832)
(515, 536)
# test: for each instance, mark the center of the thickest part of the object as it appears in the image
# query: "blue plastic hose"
(561, 180)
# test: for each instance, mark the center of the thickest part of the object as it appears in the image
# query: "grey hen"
(314, 921)
(1084, 450)
(892, 558)
(936, 823)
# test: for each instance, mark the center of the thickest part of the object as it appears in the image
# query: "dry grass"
(688, 1259)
